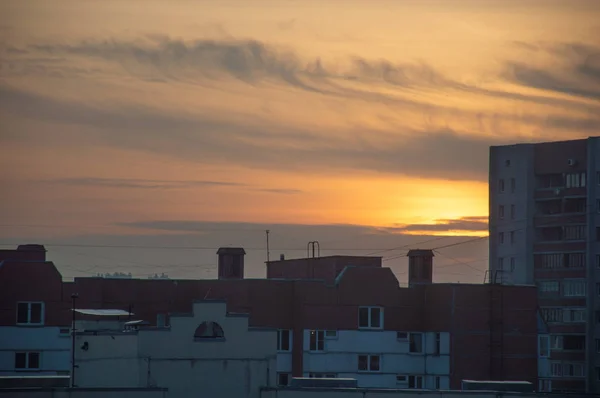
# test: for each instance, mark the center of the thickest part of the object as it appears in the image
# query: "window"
(574, 232)
(598, 205)
(575, 180)
(30, 313)
(549, 261)
(284, 340)
(556, 342)
(209, 331)
(415, 382)
(438, 341)
(512, 237)
(598, 373)
(573, 342)
(507, 163)
(548, 287)
(501, 212)
(317, 342)
(556, 369)
(512, 264)
(574, 315)
(437, 382)
(370, 317)
(331, 334)
(402, 335)
(552, 314)
(27, 360)
(545, 385)
(501, 263)
(513, 185)
(598, 234)
(572, 370)
(543, 346)
(598, 177)
(574, 288)
(401, 379)
(416, 343)
(598, 261)
(598, 289)
(574, 260)
(501, 237)
(501, 185)
(368, 363)
(513, 212)
(598, 346)
(598, 316)
(283, 379)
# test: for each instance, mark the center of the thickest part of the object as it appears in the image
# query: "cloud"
(139, 183)
(474, 223)
(281, 191)
(576, 70)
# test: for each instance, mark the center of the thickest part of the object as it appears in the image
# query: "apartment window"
(30, 313)
(574, 315)
(544, 346)
(556, 342)
(283, 379)
(27, 360)
(501, 212)
(402, 335)
(574, 232)
(549, 261)
(573, 342)
(574, 260)
(598, 316)
(416, 343)
(501, 237)
(501, 263)
(317, 340)
(598, 346)
(437, 382)
(401, 379)
(415, 382)
(598, 261)
(598, 177)
(507, 163)
(512, 264)
(598, 234)
(574, 288)
(368, 363)
(331, 334)
(548, 287)
(512, 237)
(370, 317)
(501, 185)
(575, 180)
(513, 185)
(513, 212)
(284, 338)
(573, 370)
(438, 344)
(552, 314)
(556, 369)
(598, 373)
(598, 289)
(545, 385)
(598, 205)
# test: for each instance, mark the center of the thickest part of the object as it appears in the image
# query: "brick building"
(355, 321)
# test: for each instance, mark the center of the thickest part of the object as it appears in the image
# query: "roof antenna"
(267, 232)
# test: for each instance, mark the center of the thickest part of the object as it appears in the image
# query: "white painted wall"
(55, 350)
(340, 357)
(237, 366)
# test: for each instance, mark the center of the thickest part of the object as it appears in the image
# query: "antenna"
(267, 232)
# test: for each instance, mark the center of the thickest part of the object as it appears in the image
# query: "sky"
(365, 125)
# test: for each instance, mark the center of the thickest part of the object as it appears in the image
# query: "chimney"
(32, 252)
(281, 257)
(231, 262)
(420, 267)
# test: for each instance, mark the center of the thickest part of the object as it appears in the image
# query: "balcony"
(550, 186)
(560, 211)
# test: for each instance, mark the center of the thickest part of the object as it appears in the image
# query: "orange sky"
(312, 112)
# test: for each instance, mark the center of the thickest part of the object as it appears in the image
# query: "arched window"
(209, 330)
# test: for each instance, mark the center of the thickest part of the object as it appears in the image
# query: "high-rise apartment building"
(545, 229)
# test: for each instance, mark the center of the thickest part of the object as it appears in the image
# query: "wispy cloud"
(474, 223)
(140, 183)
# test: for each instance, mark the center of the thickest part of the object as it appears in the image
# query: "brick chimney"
(420, 267)
(231, 262)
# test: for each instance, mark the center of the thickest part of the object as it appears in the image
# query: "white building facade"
(208, 351)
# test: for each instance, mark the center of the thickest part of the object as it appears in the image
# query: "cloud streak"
(473, 223)
(140, 183)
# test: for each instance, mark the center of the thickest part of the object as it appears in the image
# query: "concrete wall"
(235, 366)
(85, 393)
(54, 349)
